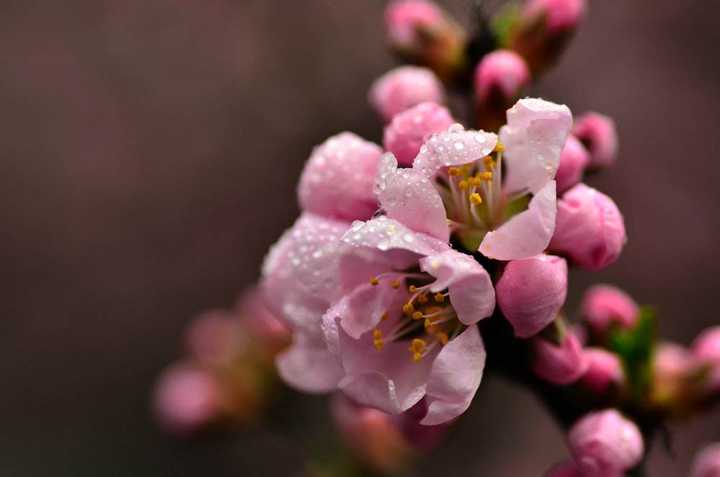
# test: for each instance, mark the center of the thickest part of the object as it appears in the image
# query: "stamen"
(408, 308)
(453, 171)
(485, 176)
(489, 162)
(377, 339)
(374, 281)
(412, 289)
(475, 199)
(417, 348)
(442, 337)
(417, 315)
(463, 184)
(499, 147)
(395, 283)
(422, 298)
(439, 297)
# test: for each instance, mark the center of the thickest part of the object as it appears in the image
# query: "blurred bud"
(186, 399)
(338, 178)
(500, 78)
(531, 292)
(422, 33)
(605, 305)
(707, 346)
(404, 87)
(421, 437)
(574, 158)
(215, 336)
(598, 134)
(604, 371)
(409, 130)
(707, 462)
(589, 228)
(269, 334)
(562, 363)
(543, 30)
(605, 443)
(564, 469)
(371, 435)
(672, 366)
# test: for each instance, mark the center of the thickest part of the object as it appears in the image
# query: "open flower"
(403, 329)
(497, 197)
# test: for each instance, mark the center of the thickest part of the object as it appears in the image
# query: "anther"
(442, 337)
(463, 184)
(377, 339)
(499, 147)
(475, 199)
(408, 308)
(417, 315)
(439, 297)
(485, 176)
(417, 348)
(454, 171)
(395, 283)
(488, 161)
(422, 298)
(374, 281)
(412, 289)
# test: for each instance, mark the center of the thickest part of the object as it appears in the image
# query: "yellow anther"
(485, 176)
(475, 199)
(422, 299)
(408, 308)
(417, 345)
(417, 315)
(454, 171)
(395, 283)
(412, 289)
(378, 343)
(442, 337)
(475, 181)
(488, 161)
(463, 184)
(374, 281)
(439, 297)
(417, 357)
(499, 147)
(377, 334)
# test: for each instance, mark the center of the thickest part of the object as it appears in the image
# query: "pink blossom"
(409, 129)
(404, 87)
(598, 134)
(186, 399)
(337, 181)
(501, 74)
(457, 176)
(605, 305)
(531, 291)
(707, 462)
(562, 363)
(406, 19)
(559, 15)
(707, 346)
(403, 328)
(605, 443)
(590, 229)
(573, 161)
(604, 371)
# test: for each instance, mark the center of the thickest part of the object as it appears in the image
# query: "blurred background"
(149, 154)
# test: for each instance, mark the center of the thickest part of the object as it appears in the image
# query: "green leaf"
(635, 347)
(503, 23)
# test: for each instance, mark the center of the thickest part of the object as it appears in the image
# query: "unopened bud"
(500, 78)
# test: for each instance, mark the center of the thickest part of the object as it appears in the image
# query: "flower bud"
(605, 443)
(186, 399)
(215, 336)
(420, 32)
(371, 435)
(574, 158)
(562, 363)
(531, 291)
(589, 228)
(404, 87)
(409, 130)
(604, 371)
(544, 29)
(605, 305)
(500, 78)
(338, 179)
(707, 462)
(598, 134)
(707, 346)
(672, 366)
(564, 469)
(268, 333)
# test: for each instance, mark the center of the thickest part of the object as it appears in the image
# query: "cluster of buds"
(227, 375)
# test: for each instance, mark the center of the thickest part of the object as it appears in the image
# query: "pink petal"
(409, 130)
(338, 178)
(453, 147)
(455, 377)
(410, 198)
(385, 234)
(533, 138)
(308, 366)
(526, 234)
(471, 290)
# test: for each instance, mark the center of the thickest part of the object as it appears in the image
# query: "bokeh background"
(148, 156)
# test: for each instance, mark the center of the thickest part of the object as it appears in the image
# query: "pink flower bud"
(606, 305)
(589, 228)
(502, 74)
(406, 20)
(409, 129)
(564, 469)
(598, 134)
(604, 371)
(186, 399)
(404, 87)
(605, 443)
(559, 15)
(707, 462)
(338, 179)
(530, 292)
(215, 336)
(707, 346)
(574, 158)
(268, 333)
(559, 364)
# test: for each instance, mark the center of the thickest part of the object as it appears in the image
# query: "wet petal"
(471, 290)
(307, 365)
(533, 138)
(385, 234)
(455, 377)
(526, 234)
(411, 199)
(453, 147)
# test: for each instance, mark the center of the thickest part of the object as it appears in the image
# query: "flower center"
(426, 320)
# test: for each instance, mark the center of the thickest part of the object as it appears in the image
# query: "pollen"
(475, 199)
(499, 147)
(439, 297)
(412, 289)
(489, 162)
(485, 176)
(374, 281)
(395, 283)
(417, 315)
(463, 184)
(408, 308)
(377, 339)
(417, 348)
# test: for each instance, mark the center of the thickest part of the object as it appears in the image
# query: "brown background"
(149, 152)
